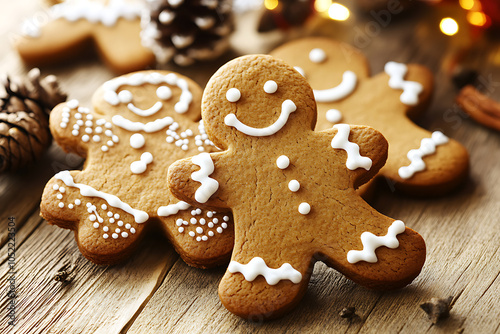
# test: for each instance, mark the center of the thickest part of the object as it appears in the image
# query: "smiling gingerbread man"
(419, 162)
(291, 191)
(140, 124)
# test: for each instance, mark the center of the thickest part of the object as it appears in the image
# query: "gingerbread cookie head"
(239, 115)
(292, 192)
(141, 123)
(112, 26)
(419, 162)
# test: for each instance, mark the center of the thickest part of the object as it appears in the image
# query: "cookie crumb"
(437, 308)
(348, 312)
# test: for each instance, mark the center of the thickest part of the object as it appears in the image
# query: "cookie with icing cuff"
(420, 162)
(291, 191)
(139, 125)
(112, 27)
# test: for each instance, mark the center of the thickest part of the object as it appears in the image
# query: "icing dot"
(88, 130)
(226, 218)
(198, 238)
(120, 223)
(71, 206)
(100, 121)
(115, 139)
(164, 93)
(89, 117)
(124, 234)
(96, 138)
(128, 226)
(108, 125)
(62, 190)
(210, 225)
(85, 138)
(181, 229)
(88, 123)
(333, 116)
(233, 95)
(117, 216)
(294, 185)
(202, 221)
(282, 162)
(132, 230)
(98, 130)
(104, 148)
(117, 230)
(304, 208)
(111, 220)
(137, 140)
(88, 205)
(75, 133)
(109, 143)
(193, 221)
(104, 207)
(72, 104)
(317, 55)
(61, 205)
(210, 214)
(115, 236)
(198, 211)
(59, 196)
(108, 133)
(191, 233)
(55, 186)
(199, 230)
(215, 220)
(78, 202)
(210, 233)
(63, 125)
(96, 225)
(270, 87)
(105, 229)
(105, 236)
(92, 218)
(224, 225)
(219, 230)
(110, 214)
(125, 96)
(204, 238)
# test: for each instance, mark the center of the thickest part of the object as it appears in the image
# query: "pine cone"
(24, 118)
(187, 30)
(288, 13)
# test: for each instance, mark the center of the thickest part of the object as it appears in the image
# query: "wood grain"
(155, 292)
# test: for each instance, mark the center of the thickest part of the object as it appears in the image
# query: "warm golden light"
(338, 12)
(448, 26)
(322, 6)
(271, 4)
(477, 18)
(467, 4)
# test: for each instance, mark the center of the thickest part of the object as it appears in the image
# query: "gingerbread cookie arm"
(365, 150)
(195, 180)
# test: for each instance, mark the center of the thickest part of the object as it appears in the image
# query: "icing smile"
(286, 109)
(148, 112)
(344, 89)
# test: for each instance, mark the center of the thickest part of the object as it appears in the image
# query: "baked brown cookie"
(291, 191)
(419, 162)
(139, 125)
(111, 26)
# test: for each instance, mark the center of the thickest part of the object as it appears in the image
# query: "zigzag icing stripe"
(257, 267)
(208, 185)
(411, 89)
(341, 141)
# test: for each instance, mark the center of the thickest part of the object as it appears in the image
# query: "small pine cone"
(187, 30)
(24, 118)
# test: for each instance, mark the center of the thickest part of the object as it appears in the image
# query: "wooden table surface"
(156, 292)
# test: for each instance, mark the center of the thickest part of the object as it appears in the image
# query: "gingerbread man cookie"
(112, 26)
(140, 124)
(419, 162)
(291, 191)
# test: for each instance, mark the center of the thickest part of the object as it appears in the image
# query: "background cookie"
(111, 26)
(419, 162)
(291, 191)
(140, 124)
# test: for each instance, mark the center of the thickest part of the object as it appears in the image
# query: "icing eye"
(125, 96)
(233, 95)
(164, 93)
(270, 87)
(317, 55)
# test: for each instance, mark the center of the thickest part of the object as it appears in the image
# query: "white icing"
(233, 95)
(137, 79)
(294, 185)
(92, 11)
(304, 208)
(172, 209)
(371, 242)
(344, 89)
(341, 141)
(257, 267)
(139, 167)
(317, 55)
(283, 162)
(333, 116)
(156, 125)
(427, 147)
(164, 93)
(208, 185)
(300, 70)
(270, 87)
(287, 108)
(114, 201)
(137, 140)
(411, 89)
